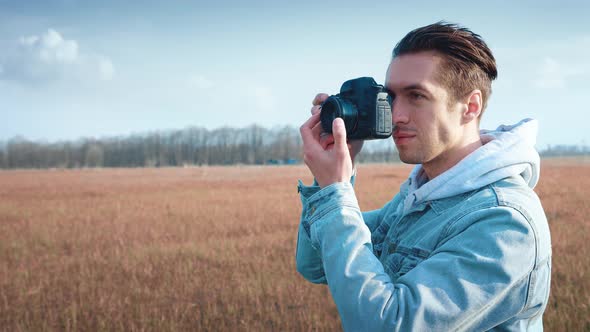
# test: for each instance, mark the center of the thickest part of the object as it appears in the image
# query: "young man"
(465, 244)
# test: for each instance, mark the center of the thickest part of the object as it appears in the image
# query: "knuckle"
(319, 98)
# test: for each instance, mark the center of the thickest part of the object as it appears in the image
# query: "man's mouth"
(402, 136)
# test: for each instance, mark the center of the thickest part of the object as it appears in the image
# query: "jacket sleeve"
(307, 257)
(479, 274)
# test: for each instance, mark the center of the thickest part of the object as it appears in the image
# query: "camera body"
(363, 105)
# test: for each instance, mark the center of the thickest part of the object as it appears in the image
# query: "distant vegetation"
(566, 151)
(191, 146)
(253, 145)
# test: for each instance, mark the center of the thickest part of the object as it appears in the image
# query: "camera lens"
(336, 107)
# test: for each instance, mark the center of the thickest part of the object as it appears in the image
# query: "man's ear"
(472, 107)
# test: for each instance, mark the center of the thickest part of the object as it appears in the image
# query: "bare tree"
(192, 146)
(94, 156)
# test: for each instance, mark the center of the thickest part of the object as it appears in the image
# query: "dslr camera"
(363, 105)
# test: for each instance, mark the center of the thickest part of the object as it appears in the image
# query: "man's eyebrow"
(416, 86)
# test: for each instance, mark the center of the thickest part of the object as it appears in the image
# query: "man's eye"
(390, 98)
(416, 96)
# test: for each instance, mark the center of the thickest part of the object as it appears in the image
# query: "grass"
(211, 248)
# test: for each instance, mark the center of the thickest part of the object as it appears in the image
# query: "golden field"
(212, 248)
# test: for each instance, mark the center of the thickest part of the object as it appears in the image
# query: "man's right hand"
(327, 140)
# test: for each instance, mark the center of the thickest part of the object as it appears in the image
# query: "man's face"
(426, 128)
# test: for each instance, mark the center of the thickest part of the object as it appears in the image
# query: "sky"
(96, 69)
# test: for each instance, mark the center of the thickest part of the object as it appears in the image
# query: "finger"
(326, 140)
(320, 98)
(339, 132)
(316, 109)
(317, 130)
(306, 130)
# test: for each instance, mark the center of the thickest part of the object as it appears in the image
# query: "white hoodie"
(506, 151)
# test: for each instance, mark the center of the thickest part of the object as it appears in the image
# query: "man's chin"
(408, 159)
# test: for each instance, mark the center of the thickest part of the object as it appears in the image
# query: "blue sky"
(71, 69)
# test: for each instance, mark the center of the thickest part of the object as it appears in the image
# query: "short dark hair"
(468, 63)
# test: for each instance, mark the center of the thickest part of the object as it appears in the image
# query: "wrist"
(346, 178)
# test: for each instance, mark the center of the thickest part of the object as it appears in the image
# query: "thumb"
(339, 132)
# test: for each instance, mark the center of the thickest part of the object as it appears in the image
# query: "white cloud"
(545, 64)
(199, 82)
(563, 62)
(50, 57)
(105, 68)
(264, 98)
(554, 74)
(551, 75)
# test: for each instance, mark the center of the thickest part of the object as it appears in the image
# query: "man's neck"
(450, 158)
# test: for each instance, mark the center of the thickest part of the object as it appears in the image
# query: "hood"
(506, 151)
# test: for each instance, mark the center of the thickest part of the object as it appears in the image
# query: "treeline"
(565, 151)
(253, 145)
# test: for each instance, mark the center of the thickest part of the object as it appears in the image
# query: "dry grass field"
(212, 248)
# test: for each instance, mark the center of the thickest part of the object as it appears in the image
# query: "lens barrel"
(336, 107)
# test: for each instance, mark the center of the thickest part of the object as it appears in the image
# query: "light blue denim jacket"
(468, 250)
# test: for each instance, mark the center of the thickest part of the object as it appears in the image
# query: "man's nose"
(399, 113)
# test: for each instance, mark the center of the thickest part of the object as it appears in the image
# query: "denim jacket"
(473, 258)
